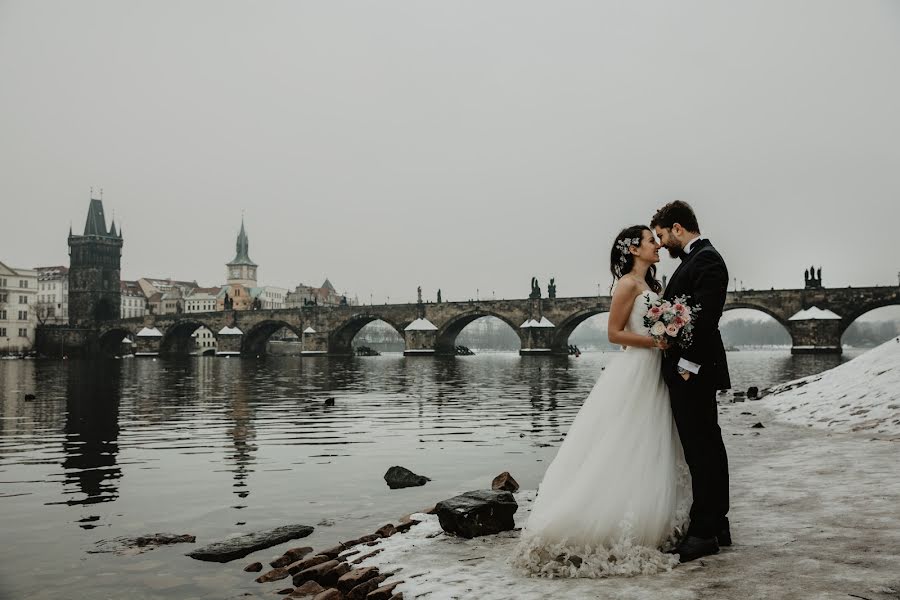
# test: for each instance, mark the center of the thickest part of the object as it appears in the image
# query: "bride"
(618, 491)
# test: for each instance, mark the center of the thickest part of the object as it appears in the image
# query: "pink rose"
(679, 321)
(686, 318)
(672, 330)
(679, 307)
(655, 312)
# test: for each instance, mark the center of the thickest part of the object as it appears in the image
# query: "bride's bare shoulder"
(626, 289)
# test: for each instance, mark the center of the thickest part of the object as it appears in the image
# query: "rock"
(384, 592)
(753, 392)
(505, 482)
(365, 556)
(329, 402)
(363, 589)
(141, 544)
(310, 588)
(331, 577)
(291, 556)
(758, 426)
(397, 596)
(386, 530)
(403, 527)
(315, 573)
(273, 575)
(285, 591)
(331, 594)
(480, 512)
(253, 567)
(355, 577)
(333, 551)
(318, 559)
(400, 477)
(241, 546)
(30, 397)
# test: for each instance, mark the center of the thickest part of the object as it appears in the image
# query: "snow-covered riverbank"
(814, 512)
(860, 395)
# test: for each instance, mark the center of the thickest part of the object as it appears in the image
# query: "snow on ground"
(860, 395)
(815, 514)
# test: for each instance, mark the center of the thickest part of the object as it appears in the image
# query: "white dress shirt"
(684, 363)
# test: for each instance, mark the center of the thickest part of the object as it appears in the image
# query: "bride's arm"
(619, 311)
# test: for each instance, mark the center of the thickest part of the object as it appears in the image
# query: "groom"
(695, 373)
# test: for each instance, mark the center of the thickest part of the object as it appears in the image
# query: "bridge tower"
(94, 268)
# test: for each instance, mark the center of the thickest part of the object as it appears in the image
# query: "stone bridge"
(543, 325)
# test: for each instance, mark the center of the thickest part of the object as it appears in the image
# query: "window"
(23, 299)
(23, 283)
(23, 332)
(4, 297)
(2, 315)
(2, 331)
(23, 315)
(3, 282)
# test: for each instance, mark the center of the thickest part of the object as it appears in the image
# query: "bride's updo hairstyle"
(621, 261)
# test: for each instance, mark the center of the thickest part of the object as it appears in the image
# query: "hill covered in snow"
(860, 395)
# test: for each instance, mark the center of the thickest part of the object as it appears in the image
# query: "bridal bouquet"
(672, 321)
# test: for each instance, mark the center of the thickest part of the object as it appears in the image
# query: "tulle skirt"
(618, 491)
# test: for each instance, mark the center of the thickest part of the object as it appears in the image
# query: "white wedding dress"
(618, 490)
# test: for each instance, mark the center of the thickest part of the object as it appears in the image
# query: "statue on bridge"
(813, 278)
(551, 288)
(228, 302)
(535, 289)
(420, 294)
(439, 296)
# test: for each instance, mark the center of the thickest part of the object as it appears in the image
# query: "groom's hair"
(676, 212)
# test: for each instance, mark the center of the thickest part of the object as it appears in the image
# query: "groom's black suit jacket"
(703, 277)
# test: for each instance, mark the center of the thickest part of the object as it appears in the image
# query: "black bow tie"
(681, 254)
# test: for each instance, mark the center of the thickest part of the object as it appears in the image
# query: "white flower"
(658, 328)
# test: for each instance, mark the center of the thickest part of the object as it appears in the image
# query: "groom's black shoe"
(724, 535)
(693, 547)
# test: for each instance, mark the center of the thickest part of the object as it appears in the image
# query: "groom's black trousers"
(697, 418)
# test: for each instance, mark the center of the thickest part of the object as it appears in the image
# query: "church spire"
(242, 249)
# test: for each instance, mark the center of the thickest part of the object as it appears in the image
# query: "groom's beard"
(675, 251)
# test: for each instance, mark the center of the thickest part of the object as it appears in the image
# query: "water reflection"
(91, 433)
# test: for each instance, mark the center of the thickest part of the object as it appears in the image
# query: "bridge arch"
(111, 339)
(855, 326)
(568, 326)
(445, 340)
(341, 339)
(177, 338)
(780, 317)
(256, 338)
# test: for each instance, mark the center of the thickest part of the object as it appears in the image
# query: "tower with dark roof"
(94, 268)
(241, 270)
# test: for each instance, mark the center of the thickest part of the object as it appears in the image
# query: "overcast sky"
(466, 145)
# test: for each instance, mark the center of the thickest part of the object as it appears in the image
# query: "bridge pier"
(421, 338)
(537, 337)
(147, 342)
(229, 341)
(313, 342)
(816, 336)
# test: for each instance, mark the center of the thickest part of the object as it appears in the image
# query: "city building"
(165, 296)
(52, 305)
(94, 266)
(326, 295)
(240, 275)
(204, 341)
(134, 303)
(270, 296)
(201, 300)
(18, 296)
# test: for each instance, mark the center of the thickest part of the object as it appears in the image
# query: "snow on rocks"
(860, 395)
